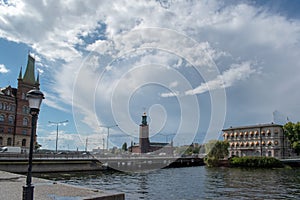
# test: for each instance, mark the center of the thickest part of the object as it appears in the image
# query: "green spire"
(20, 74)
(29, 76)
(144, 119)
(38, 79)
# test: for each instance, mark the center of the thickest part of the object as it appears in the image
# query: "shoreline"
(12, 184)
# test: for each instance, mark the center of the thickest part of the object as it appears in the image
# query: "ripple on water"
(196, 183)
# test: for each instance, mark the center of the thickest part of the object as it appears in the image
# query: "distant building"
(145, 146)
(15, 119)
(257, 140)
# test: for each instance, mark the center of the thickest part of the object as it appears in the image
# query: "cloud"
(228, 78)
(3, 69)
(236, 35)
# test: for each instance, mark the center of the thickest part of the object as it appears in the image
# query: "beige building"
(257, 140)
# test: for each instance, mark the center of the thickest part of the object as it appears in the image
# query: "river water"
(194, 183)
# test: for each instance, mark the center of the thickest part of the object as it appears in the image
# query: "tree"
(215, 151)
(124, 146)
(292, 131)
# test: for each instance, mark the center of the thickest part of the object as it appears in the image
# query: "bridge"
(76, 162)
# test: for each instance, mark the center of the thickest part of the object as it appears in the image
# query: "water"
(194, 183)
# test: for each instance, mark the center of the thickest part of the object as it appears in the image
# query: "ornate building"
(257, 140)
(15, 119)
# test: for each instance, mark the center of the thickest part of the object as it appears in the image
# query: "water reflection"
(194, 183)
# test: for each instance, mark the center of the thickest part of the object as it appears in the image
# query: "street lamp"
(108, 127)
(35, 98)
(57, 124)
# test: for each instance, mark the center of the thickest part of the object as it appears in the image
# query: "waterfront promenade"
(11, 186)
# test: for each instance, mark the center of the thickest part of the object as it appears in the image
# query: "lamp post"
(35, 98)
(108, 127)
(57, 124)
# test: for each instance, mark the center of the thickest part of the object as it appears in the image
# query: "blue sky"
(195, 67)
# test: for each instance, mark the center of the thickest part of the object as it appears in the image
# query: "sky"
(195, 67)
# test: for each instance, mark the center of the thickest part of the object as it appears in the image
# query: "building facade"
(257, 140)
(15, 119)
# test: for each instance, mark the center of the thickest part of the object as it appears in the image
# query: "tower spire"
(144, 119)
(38, 78)
(29, 76)
(20, 74)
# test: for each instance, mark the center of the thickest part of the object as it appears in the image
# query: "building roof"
(158, 144)
(252, 126)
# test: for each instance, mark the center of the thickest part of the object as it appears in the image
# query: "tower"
(23, 118)
(144, 135)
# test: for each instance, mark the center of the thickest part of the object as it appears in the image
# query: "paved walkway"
(11, 188)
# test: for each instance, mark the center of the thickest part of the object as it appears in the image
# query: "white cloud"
(3, 69)
(228, 78)
(234, 74)
(66, 31)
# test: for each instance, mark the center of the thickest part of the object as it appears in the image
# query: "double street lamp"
(108, 127)
(57, 124)
(35, 98)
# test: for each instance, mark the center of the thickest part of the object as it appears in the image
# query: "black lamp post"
(35, 98)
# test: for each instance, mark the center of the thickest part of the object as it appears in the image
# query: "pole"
(107, 137)
(86, 144)
(57, 124)
(56, 138)
(103, 143)
(29, 188)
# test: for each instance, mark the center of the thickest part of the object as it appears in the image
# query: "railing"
(45, 156)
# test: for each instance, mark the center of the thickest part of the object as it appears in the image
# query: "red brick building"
(15, 119)
(145, 146)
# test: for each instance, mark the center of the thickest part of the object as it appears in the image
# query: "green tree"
(292, 131)
(124, 146)
(215, 151)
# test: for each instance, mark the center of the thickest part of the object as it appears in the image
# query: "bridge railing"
(45, 156)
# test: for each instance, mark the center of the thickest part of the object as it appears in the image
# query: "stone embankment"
(11, 187)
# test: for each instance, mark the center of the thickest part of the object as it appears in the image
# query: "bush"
(211, 161)
(255, 162)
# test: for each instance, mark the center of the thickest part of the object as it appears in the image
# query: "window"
(25, 110)
(11, 120)
(25, 121)
(23, 96)
(2, 118)
(10, 130)
(23, 142)
(1, 129)
(13, 108)
(24, 132)
(9, 141)
(1, 140)
(269, 153)
(1, 106)
(8, 107)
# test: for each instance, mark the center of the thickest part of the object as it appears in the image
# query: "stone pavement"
(11, 188)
